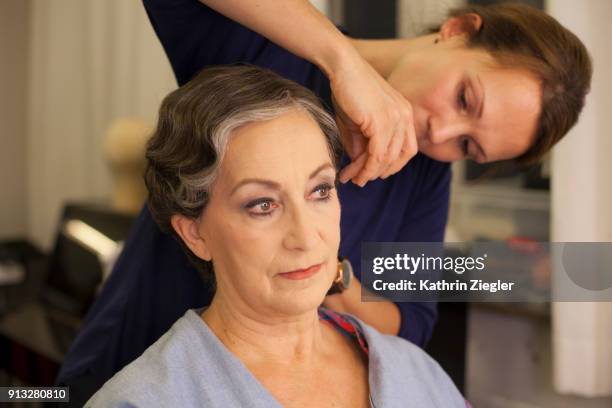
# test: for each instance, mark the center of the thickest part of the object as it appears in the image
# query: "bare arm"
(375, 120)
(295, 25)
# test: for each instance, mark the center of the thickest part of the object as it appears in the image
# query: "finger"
(408, 138)
(353, 168)
(393, 153)
(359, 144)
(379, 137)
(378, 160)
(349, 132)
(369, 171)
(345, 136)
(408, 151)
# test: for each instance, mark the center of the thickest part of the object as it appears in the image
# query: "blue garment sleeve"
(195, 36)
(425, 221)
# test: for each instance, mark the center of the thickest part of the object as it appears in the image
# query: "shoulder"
(429, 198)
(402, 370)
(195, 36)
(429, 172)
(405, 354)
(161, 375)
(422, 180)
(386, 348)
(187, 366)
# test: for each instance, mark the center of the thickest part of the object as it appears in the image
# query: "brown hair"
(195, 125)
(518, 35)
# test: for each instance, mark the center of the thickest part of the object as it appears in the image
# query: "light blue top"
(189, 367)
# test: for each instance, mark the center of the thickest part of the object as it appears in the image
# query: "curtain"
(90, 62)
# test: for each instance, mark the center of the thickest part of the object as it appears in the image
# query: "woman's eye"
(323, 191)
(461, 98)
(262, 206)
(465, 147)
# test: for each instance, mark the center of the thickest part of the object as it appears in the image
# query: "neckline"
(345, 325)
(237, 366)
(193, 316)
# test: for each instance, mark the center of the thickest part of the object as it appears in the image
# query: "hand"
(375, 122)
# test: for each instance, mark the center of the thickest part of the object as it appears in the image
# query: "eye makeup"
(263, 206)
(266, 206)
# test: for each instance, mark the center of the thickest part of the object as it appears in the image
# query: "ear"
(466, 24)
(188, 229)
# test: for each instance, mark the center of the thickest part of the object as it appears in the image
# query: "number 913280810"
(34, 394)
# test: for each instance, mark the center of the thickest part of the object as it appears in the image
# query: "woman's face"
(465, 105)
(272, 225)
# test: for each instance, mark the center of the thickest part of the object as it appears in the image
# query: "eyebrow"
(273, 184)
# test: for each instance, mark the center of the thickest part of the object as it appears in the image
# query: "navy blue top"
(153, 284)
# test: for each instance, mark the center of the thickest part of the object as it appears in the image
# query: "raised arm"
(375, 120)
(295, 25)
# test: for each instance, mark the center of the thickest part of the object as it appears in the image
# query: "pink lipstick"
(300, 274)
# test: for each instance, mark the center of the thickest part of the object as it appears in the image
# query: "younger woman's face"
(272, 226)
(467, 106)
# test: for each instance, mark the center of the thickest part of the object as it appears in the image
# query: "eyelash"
(461, 99)
(463, 105)
(265, 200)
(270, 201)
(465, 146)
(328, 188)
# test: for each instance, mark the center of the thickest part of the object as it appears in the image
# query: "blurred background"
(80, 84)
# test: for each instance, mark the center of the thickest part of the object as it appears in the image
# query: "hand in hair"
(375, 122)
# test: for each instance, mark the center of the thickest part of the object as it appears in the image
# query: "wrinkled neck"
(254, 337)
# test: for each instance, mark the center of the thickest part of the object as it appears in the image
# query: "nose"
(441, 130)
(302, 232)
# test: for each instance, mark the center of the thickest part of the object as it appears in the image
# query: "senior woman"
(242, 170)
(493, 83)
